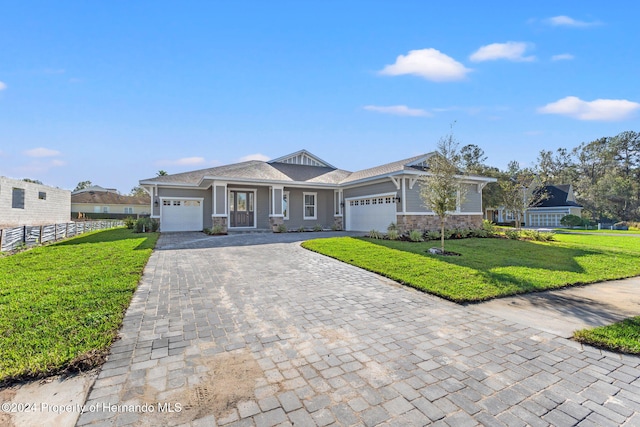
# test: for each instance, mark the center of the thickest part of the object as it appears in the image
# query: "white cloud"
(255, 156)
(512, 51)
(567, 21)
(562, 57)
(185, 161)
(430, 64)
(41, 152)
(3, 86)
(599, 109)
(398, 110)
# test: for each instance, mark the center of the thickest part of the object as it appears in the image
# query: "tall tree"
(520, 190)
(138, 191)
(473, 158)
(442, 189)
(162, 172)
(82, 185)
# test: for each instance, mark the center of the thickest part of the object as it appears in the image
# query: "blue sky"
(114, 91)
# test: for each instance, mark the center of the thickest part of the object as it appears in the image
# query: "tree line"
(605, 174)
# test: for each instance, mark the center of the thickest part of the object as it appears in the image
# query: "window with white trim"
(310, 205)
(285, 204)
(128, 210)
(105, 209)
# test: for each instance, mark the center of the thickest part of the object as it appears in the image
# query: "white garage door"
(181, 215)
(370, 213)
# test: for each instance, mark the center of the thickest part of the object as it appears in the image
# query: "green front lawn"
(490, 268)
(622, 336)
(582, 230)
(61, 305)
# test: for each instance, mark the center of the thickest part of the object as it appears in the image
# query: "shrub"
(375, 234)
(571, 221)
(478, 232)
(416, 236)
(301, 229)
(281, 228)
(489, 227)
(129, 222)
(393, 234)
(335, 227)
(146, 225)
(540, 236)
(217, 230)
(392, 226)
(317, 227)
(512, 234)
(431, 235)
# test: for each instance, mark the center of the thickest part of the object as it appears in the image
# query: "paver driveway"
(247, 330)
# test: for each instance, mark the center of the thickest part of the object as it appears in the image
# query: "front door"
(241, 207)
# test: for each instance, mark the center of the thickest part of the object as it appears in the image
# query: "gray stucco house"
(302, 190)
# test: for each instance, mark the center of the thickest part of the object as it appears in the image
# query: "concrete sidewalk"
(566, 310)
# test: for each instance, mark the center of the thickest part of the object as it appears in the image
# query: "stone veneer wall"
(221, 221)
(432, 222)
(275, 221)
(337, 223)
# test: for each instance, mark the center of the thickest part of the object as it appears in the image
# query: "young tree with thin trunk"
(442, 190)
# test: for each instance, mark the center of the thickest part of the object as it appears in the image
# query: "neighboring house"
(99, 202)
(559, 201)
(302, 190)
(26, 203)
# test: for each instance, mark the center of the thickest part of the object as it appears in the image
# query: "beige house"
(99, 202)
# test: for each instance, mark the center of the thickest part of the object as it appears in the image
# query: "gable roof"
(410, 164)
(109, 198)
(302, 157)
(557, 195)
(299, 167)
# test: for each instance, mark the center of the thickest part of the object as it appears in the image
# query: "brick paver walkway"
(225, 332)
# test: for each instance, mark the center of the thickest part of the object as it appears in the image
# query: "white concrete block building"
(26, 203)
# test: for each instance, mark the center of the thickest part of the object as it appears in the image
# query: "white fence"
(14, 238)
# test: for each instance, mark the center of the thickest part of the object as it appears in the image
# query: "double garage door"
(370, 213)
(181, 215)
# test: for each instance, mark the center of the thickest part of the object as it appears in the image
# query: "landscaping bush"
(571, 221)
(392, 226)
(317, 227)
(146, 225)
(540, 236)
(512, 234)
(416, 236)
(281, 228)
(129, 222)
(301, 229)
(431, 235)
(489, 227)
(336, 227)
(375, 234)
(393, 234)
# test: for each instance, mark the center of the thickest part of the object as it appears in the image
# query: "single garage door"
(181, 215)
(370, 213)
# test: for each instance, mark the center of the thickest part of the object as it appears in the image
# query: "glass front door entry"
(241, 208)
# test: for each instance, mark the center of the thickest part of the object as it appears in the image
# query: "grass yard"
(622, 336)
(490, 268)
(577, 230)
(61, 305)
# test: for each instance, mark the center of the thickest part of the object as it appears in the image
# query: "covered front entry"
(370, 213)
(242, 208)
